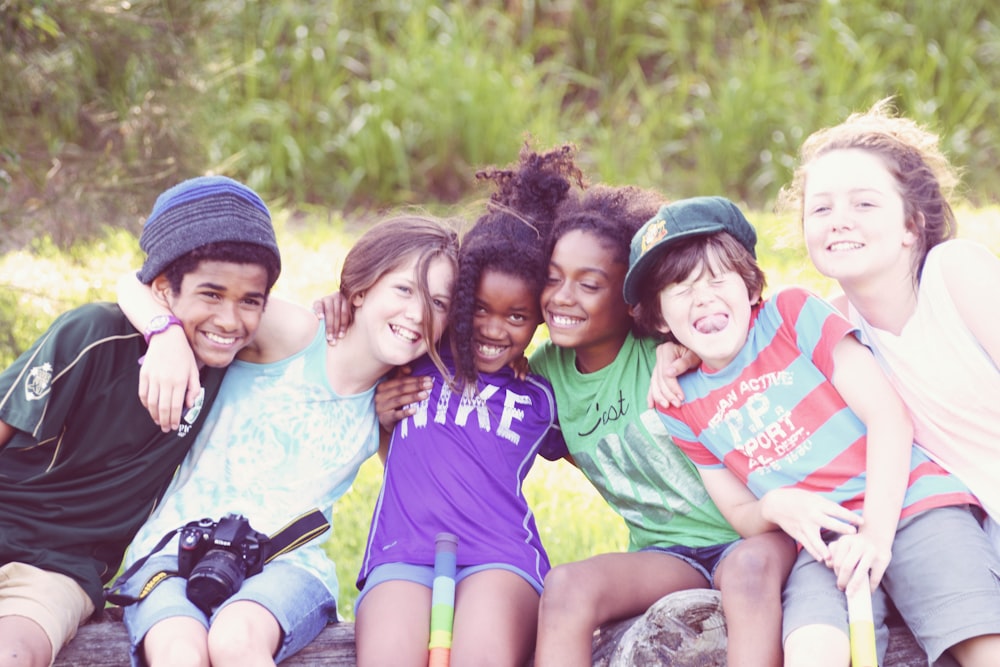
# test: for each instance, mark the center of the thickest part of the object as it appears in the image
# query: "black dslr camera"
(217, 557)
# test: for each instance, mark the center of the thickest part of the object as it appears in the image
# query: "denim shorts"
(298, 600)
(704, 559)
(424, 575)
(944, 578)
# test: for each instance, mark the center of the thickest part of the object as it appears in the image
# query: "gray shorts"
(944, 578)
(298, 600)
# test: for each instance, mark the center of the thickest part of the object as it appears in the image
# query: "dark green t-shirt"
(86, 464)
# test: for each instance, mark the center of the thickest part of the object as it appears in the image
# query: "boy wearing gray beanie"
(82, 463)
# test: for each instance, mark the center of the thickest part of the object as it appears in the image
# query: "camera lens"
(215, 578)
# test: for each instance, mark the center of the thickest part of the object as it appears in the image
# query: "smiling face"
(709, 313)
(220, 305)
(582, 300)
(504, 319)
(853, 219)
(389, 317)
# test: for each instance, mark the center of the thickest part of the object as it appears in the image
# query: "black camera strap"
(295, 533)
(292, 535)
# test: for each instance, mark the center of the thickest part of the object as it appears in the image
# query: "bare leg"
(750, 579)
(496, 615)
(244, 634)
(179, 641)
(392, 627)
(817, 646)
(980, 651)
(581, 596)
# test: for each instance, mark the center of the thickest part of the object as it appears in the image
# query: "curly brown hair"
(510, 237)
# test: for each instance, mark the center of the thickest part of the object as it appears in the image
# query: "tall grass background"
(388, 102)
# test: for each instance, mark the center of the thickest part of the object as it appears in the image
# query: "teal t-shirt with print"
(626, 453)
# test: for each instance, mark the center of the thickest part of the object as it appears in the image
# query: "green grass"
(573, 519)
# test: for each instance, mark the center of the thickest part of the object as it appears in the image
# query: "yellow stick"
(862, 624)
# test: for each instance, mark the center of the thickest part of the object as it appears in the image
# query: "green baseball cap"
(683, 219)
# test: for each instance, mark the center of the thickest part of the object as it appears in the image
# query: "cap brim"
(638, 271)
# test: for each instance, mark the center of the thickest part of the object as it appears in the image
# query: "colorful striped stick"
(442, 600)
(862, 624)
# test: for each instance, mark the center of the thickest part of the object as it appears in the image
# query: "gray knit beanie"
(199, 211)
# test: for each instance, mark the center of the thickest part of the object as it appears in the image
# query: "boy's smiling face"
(220, 305)
(709, 313)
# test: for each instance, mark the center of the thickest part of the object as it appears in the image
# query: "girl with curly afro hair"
(458, 458)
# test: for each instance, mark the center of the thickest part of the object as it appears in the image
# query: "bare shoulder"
(954, 253)
(966, 266)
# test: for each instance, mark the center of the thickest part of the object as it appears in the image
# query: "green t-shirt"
(86, 464)
(626, 453)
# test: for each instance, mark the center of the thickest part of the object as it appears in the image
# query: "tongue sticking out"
(711, 323)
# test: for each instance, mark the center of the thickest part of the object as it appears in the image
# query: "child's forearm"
(890, 444)
(737, 503)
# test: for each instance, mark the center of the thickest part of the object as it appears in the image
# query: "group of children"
(781, 471)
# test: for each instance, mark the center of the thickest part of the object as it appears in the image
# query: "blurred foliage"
(348, 106)
(398, 101)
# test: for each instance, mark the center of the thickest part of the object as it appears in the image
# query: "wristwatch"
(159, 324)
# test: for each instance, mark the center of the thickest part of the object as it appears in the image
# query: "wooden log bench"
(685, 629)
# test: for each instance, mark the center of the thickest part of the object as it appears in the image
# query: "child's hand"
(336, 311)
(858, 558)
(671, 360)
(396, 397)
(520, 367)
(805, 515)
(169, 380)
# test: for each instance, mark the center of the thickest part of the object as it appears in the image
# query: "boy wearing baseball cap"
(81, 462)
(793, 427)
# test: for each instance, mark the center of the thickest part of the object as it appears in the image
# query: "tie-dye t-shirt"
(277, 442)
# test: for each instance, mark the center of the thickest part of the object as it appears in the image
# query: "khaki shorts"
(52, 600)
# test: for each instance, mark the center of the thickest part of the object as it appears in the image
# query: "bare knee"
(244, 633)
(178, 654)
(23, 643)
(178, 641)
(566, 592)
(817, 646)
(755, 569)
